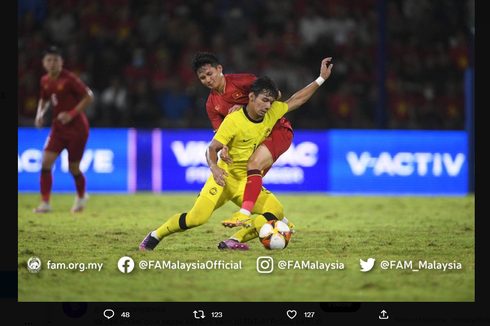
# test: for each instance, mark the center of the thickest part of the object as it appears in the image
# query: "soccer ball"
(274, 235)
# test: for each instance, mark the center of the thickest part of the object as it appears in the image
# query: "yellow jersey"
(242, 135)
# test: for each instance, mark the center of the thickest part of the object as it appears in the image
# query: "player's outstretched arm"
(212, 160)
(300, 97)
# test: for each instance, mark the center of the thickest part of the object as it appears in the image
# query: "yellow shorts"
(233, 191)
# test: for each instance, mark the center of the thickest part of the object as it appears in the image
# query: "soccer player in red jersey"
(229, 93)
(69, 97)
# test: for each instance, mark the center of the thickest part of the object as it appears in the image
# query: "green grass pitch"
(335, 230)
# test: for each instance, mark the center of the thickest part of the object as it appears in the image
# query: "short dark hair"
(264, 85)
(52, 49)
(202, 59)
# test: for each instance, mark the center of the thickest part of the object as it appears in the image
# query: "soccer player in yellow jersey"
(241, 131)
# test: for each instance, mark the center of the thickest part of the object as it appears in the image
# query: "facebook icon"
(125, 264)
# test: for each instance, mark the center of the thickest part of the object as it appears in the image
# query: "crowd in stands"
(135, 55)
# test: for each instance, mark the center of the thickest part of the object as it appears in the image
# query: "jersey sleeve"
(78, 85)
(226, 132)
(278, 110)
(214, 116)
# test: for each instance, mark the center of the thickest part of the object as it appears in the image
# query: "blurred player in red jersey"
(229, 93)
(68, 96)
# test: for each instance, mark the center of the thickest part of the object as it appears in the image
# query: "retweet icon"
(366, 266)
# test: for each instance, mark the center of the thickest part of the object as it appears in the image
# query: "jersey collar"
(248, 117)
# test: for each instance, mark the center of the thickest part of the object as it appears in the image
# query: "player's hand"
(326, 68)
(64, 117)
(223, 155)
(219, 175)
(39, 122)
(234, 108)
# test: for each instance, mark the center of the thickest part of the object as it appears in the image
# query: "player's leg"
(278, 143)
(268, 203)
(180, 222)
(75, 149)
(261, 159)
(210, 198)
(46, 181)
(52, 149)
(265, 155)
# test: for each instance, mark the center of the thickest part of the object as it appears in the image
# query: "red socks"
(252, 189)
(80, 184)
(46, 184)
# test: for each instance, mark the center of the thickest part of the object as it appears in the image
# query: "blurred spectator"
(124, 23)
(343, 107)
(401, 107)
(162, 72)
(93, 18)
(36, 7)
(429, 116)
(60, 25)
(146, 43)
(144, 113)
(451, 103)
(459, 50)
(312, 25)
(208, 20)
(28, 95)
(221, 50)
(136, 70)
(235, 25)
(29, 24)
(292, 41)
(114, 104)
(74, 61)
(152, 23)
(92, 110)
(340, 24)
(175, 105)
(180, 29)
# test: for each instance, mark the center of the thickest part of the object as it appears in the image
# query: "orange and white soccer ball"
(274, 235)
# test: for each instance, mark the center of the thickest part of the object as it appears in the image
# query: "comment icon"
(108, 313)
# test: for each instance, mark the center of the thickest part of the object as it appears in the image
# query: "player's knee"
(254, 164)
(277, 209)
(74, 170)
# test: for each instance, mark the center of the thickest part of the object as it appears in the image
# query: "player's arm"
(212, 160)
(42, 107)
(66, 116)
(300, 97)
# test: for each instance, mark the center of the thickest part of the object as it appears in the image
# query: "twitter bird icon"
(366, 266)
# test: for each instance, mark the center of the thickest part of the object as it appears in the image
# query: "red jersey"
(236, 92)
(64, 93)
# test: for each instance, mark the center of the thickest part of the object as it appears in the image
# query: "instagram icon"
(265, 264)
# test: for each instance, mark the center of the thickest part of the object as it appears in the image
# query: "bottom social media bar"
(250, 313)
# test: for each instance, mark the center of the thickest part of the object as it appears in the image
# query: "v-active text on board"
(406, 163)
(288, 169)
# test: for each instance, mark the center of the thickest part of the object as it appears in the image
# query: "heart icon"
(291, 313)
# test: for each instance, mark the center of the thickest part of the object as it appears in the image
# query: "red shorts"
(75, 146)
(279, 141)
